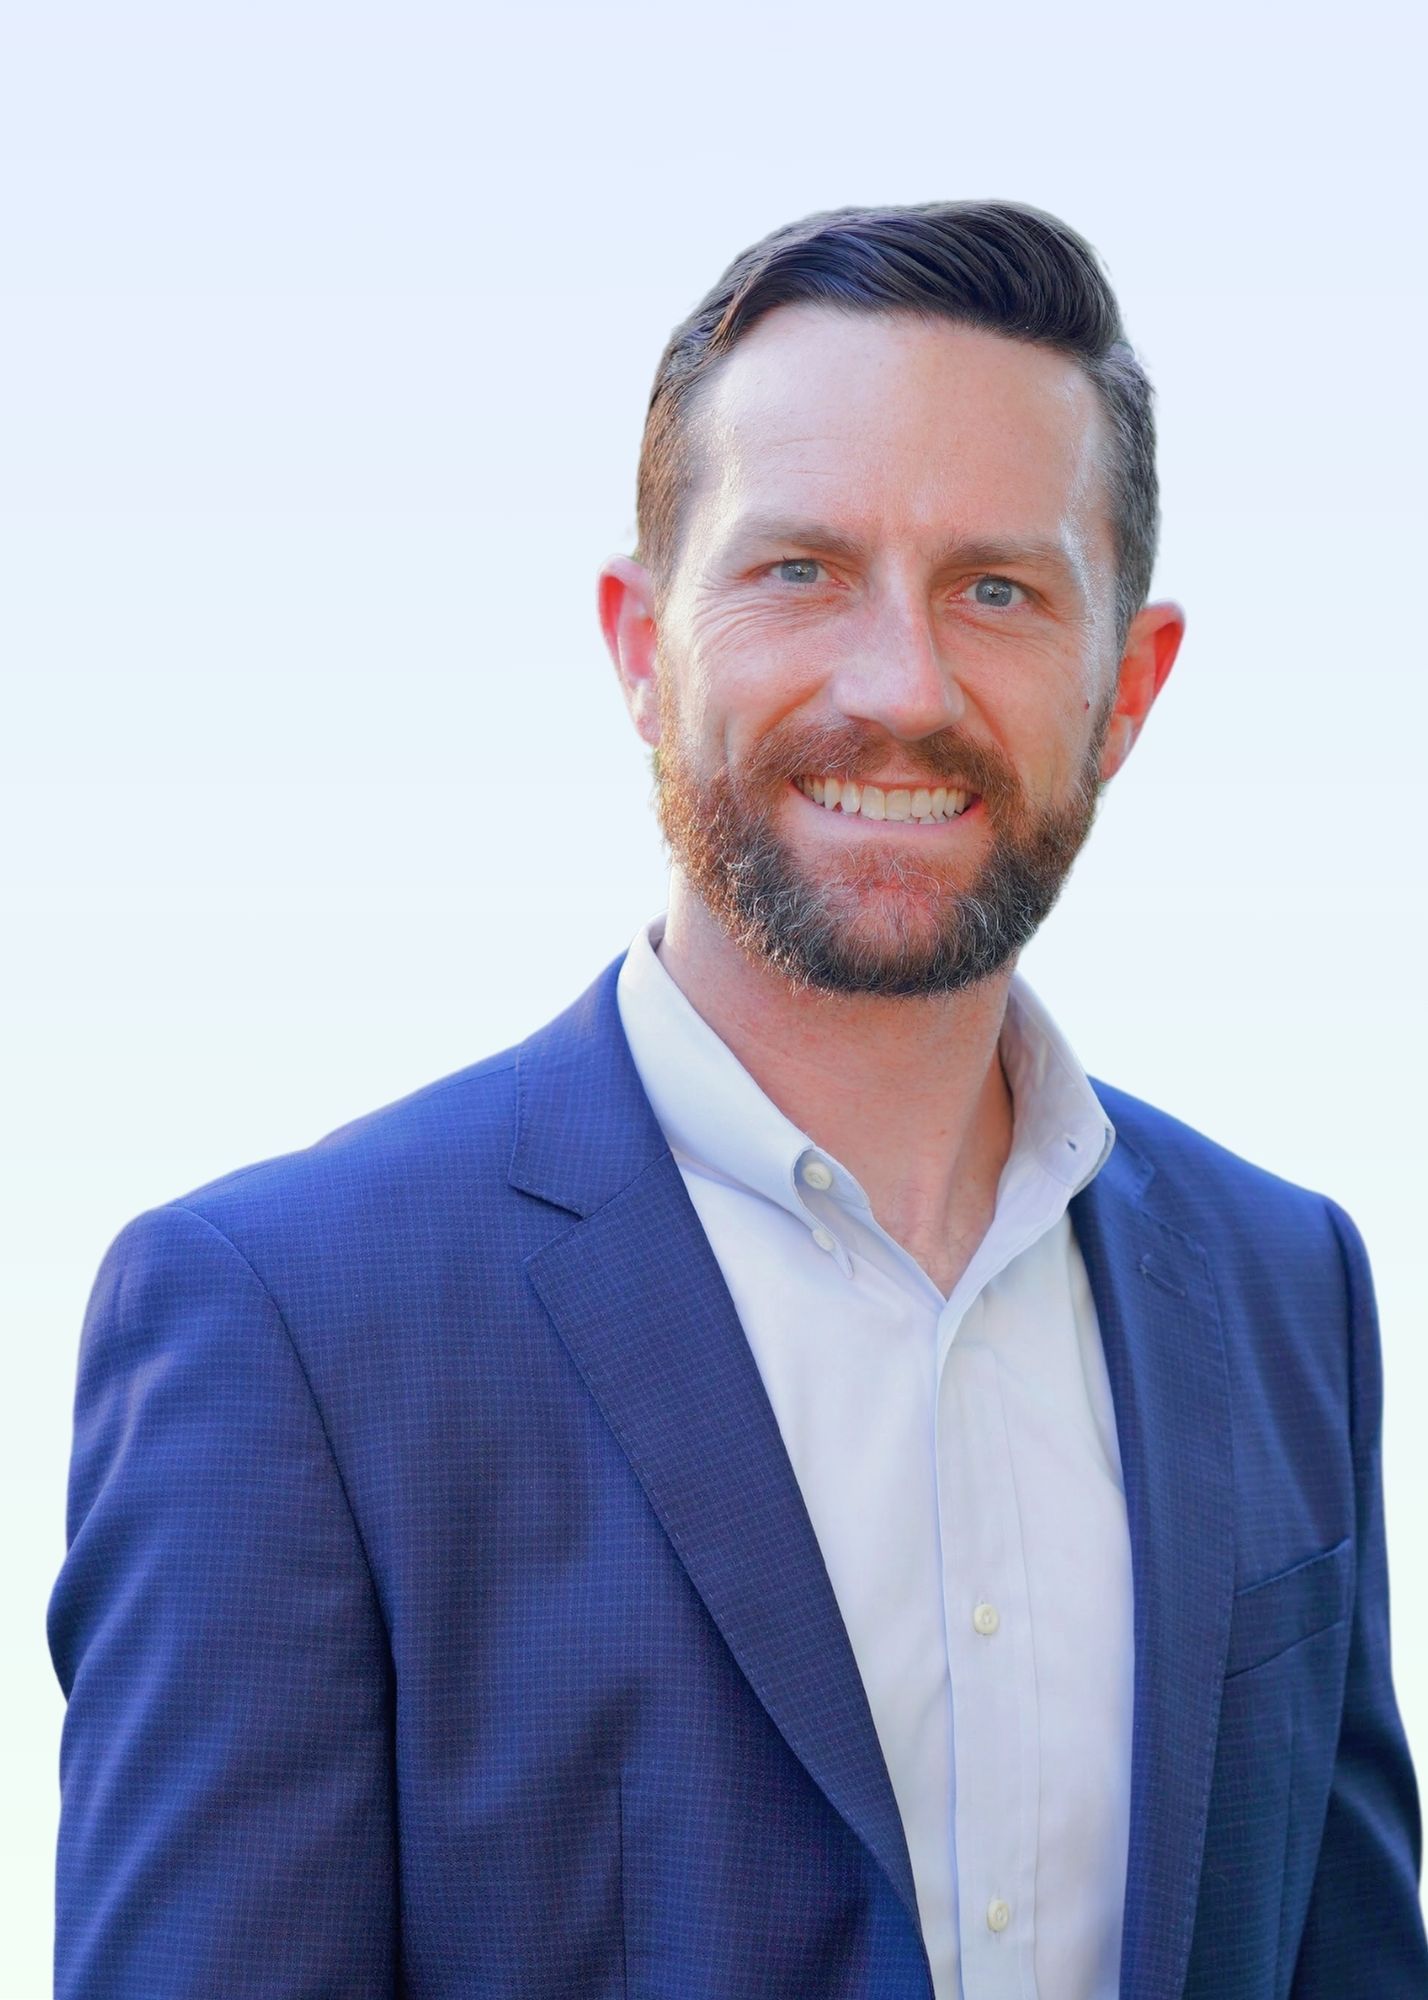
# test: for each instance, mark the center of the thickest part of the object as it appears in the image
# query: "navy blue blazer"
(441, 1616)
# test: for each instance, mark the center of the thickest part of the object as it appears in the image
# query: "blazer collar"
(1165, 1355)
(584, 1128)
(637, 1296)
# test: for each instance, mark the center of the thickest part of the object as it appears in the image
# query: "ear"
(628, 622)
(1151, 645)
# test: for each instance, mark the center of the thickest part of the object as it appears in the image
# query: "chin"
(889, 892)
(888, 921)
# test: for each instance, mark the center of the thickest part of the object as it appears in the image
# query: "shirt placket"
(994, 1713)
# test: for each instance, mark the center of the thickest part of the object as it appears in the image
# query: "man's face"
(887, 657)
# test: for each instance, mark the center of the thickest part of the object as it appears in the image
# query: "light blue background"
(325, 338)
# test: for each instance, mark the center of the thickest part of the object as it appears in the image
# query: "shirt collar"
(718, 1121)
(1061, 1124)
(714, 1115)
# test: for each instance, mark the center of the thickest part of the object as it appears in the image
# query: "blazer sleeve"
(227, 1808)
(1364, 1931)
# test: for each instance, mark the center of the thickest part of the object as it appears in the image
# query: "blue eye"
(805, 564)
(996, 592)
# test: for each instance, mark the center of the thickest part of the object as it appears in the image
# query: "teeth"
(874, 802)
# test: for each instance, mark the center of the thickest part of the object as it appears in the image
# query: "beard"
(892, 924)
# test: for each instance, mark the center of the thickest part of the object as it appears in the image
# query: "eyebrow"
(960, 553)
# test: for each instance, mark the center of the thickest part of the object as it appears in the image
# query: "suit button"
(998, 1914)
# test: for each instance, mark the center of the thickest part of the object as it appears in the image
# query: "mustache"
(855, 751)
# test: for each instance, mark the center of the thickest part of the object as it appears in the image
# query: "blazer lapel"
(1164, 1350)
(636, 1294)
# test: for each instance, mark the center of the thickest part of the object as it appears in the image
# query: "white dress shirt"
(958, 1460)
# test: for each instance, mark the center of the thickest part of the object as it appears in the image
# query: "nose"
(896, 674)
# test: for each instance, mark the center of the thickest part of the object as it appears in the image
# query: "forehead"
(892, 422)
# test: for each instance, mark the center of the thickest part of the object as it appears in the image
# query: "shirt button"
(987, 1618)
(998, 1914)
(823, 1239)
(816, 1175)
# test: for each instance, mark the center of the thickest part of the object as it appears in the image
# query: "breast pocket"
(1270, 1617)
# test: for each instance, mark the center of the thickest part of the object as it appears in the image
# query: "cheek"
(1071, 743)
(1047, 734)
(742, 677)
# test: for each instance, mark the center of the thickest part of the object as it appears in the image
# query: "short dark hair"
(999, 265)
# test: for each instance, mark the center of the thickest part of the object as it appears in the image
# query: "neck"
(908, 1094)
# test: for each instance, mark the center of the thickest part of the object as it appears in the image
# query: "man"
(776, 1486)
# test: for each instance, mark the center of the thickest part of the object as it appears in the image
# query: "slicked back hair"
(997, 265)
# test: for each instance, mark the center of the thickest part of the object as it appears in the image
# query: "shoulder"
(1285, 1266)
(384, 1161)
(1209, 1192)
(382, 1206)
(416, 1201)
(378, 1209)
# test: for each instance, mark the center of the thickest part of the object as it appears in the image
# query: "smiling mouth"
(925, 805)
